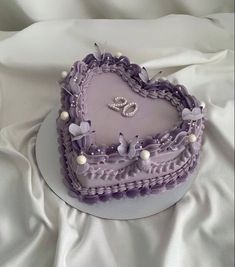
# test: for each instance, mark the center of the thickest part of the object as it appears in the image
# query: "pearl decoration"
(202, 104)
(64, 74)
(118, 54)
(144, 154)
(192, 138)
(64, 116)
(81, 160)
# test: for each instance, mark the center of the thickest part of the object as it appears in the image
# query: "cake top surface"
(115, 109)
(152, 115)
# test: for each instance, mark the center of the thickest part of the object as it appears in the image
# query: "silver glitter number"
(131, 106)
(120, 102)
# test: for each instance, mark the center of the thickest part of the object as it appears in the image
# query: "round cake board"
(47, 156)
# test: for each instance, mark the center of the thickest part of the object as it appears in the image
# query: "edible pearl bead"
(145, 154)
(118, 54)
(203, 104)
(64, 115)
(192, 138)
(81, 160)
(64, 74)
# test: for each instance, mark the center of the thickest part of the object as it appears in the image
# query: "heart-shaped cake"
(121, 133)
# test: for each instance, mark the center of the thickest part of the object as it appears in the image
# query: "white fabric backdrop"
(17, 14)
(39, 229)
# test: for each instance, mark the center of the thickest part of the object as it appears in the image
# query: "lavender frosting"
(116, 169)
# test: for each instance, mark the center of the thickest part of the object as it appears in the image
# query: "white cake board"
(128, 208)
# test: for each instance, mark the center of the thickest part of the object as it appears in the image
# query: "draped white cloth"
(39, 229)
(17, 14)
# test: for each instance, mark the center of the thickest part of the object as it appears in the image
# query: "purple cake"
(122, 134)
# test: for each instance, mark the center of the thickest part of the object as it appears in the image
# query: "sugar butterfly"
(79, 131)
(98, 53)
(145, 77)
(127, 148)
(194, 114)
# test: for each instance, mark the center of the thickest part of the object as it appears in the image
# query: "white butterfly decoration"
(145, 77)
(79, 131)
(98, 53)
(194, 114)
(127, 148)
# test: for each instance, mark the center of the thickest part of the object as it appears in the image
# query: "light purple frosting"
(166, 117)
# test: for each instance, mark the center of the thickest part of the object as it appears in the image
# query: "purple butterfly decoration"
(145, 77)
(194, 114)
(79, 131)
(127, 148)
(98, 54)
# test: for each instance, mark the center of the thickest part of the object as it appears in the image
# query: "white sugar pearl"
(145, 154)
(64, 115)
(81, 160)
(64, 74)
(202, 104)
(192, 138)
(118, 54)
